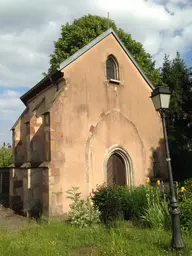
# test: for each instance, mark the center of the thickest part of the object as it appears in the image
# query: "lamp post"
(161, 98)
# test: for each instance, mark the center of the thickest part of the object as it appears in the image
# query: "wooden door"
(116, 170)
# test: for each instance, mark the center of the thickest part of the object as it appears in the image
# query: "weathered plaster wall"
(16, 188)
(19, 141)
(29, 132)
(29, 189)
(91, 116)
(32, 188)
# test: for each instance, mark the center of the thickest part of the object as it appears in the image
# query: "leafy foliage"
(83, 30)
(109, 201)
(117, 202)
(186, 215)
(179, 119)
(156, 214)
(188, 188)
(5, 156)
(146, 206)
(184, 194)
(82, 213)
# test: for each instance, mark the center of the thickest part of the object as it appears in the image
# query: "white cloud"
(154, 24)
(27, 33)
(10, 105)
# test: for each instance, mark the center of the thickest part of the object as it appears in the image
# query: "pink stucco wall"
(92, 116)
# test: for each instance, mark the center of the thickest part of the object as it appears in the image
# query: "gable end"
(96, 41)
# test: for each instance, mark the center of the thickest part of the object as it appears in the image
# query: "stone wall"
(29, 190)
(31, 131)
(36, 140)
(19, 143)
(32, 188)
(16, 189)
(4, 180)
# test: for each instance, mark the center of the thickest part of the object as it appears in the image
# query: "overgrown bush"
(184, 195)
(156, 214)
(188, 188)
(186, 215)
(109, 201)
(138, 201)
(116, 202)
(185, 198)
(144, 204)
(82, 213)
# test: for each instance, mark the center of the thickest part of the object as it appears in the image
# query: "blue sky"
(27, 35)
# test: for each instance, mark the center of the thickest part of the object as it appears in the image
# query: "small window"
(112, 68)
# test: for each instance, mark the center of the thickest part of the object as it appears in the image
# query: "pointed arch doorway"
(118, 168)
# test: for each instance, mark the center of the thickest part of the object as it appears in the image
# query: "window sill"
(114, 81)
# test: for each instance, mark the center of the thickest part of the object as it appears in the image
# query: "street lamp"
(161, 98)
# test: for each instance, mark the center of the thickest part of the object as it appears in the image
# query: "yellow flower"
(148, 180)
(183, 189)
(158, 182)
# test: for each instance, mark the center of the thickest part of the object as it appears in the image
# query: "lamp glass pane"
(164, 99)
(156, 101)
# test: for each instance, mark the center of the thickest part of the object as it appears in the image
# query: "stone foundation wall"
(29, 190)
(16, 189)
(32, 190)
(45, 192)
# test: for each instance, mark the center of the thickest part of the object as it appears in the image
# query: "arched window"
(112, 68)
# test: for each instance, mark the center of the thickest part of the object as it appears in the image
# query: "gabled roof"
(96, 41)
(45, 82)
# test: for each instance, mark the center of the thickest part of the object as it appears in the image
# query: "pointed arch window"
(112, 68)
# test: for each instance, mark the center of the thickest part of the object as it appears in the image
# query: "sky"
(28, 29)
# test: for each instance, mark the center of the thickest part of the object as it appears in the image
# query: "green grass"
(60, 238)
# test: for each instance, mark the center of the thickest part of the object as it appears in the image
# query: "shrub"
(82, 213)
(186, 215)
(156, 214)
(188, 188)
(184, 190)
(109, 202)
(185, 198)
(138, 201)
(116, 202)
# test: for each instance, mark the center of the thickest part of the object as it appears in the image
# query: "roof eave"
(43, 84)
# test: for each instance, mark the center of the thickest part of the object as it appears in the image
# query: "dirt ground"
(11, 221)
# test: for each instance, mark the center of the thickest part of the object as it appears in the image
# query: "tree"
(5, 155)
(82, 31)
(179, 119)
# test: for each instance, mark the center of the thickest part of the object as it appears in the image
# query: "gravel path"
(11, 221)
